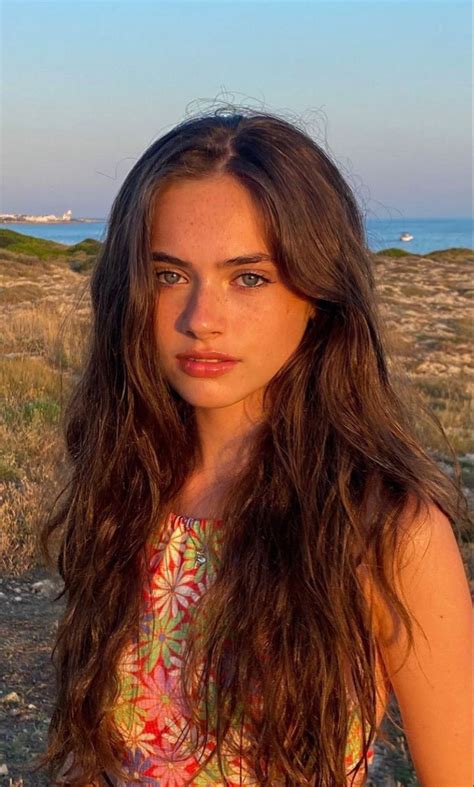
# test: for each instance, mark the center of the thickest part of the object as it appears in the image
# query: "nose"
(205, 311)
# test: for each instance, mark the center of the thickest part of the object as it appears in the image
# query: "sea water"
(428, 234)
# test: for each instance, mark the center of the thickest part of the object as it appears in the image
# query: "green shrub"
(81, 265)
(88, 245)
(26, 244)
(393, 252)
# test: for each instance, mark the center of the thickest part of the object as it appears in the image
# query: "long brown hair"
(333, 465)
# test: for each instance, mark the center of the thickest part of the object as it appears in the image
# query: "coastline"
(428, 235)
(34, 223)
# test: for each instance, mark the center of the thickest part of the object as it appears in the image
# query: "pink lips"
(198, 368)
(198, 354)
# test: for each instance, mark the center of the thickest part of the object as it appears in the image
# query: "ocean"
(428, 234)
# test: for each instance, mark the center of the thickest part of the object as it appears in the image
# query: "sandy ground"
(27, 625)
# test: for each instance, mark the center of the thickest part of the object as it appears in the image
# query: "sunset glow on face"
(244, 311)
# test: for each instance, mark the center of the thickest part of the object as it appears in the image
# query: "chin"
(208, 403)
(207, 400)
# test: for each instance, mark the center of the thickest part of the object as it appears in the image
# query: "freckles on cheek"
(277, 320)
(164, 318)
(257, 326)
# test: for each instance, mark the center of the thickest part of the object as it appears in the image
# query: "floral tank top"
(149, 713)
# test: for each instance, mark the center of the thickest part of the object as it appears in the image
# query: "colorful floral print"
(150, 712)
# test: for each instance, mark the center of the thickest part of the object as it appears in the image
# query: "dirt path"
(28, 620)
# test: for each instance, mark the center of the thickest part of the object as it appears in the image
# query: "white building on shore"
(49, 219)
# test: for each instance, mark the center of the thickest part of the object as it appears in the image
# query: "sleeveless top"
(149, 713)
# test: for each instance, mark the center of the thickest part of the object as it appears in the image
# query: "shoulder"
(429, 579)
(427, 570)
(428, 564)
(432, 679)
(424, 526)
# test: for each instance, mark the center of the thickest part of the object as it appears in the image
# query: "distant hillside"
(450, 254)
(80, 256)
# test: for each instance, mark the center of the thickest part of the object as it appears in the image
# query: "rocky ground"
(28, 620)
(427, 303)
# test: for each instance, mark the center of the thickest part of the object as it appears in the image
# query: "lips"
(206, 357)
(196, 366)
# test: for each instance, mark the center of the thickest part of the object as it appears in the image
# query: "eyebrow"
(245, 259)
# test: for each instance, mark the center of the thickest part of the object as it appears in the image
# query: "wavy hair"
(334, 463)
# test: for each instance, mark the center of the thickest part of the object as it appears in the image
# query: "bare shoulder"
(432, 680)
(426, 527)
(428, 564)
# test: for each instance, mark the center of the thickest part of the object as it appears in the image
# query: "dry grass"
(55, 331)
(31, 452)
(452, 404)
(42, 344)
(450, 401)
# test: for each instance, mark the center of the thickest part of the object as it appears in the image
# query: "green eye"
(255, 276)
(167, 273)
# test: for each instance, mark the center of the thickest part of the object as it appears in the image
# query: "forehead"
(214, 210)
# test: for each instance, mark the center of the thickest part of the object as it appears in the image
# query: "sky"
(385, 87)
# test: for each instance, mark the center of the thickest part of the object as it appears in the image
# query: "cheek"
(275, 333)
(164, 320)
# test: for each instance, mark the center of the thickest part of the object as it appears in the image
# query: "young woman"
(256, 547)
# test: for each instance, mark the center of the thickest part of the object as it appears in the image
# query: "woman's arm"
(433, 685)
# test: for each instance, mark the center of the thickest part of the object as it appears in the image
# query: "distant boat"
(406, 236)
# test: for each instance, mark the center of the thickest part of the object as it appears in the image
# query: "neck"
(224, 444)
(224, 437)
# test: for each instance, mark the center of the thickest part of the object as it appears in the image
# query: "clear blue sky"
(385, 86)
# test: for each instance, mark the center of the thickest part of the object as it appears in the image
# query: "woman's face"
(205, 306)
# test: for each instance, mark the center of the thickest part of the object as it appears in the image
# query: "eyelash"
(246, 273)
